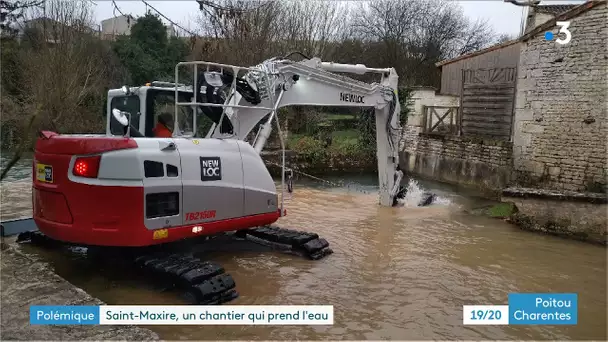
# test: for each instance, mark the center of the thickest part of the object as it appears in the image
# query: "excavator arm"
(282, 83)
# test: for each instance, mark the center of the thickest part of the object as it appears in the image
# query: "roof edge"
(478, 52)
(564, 16)
(540, 28)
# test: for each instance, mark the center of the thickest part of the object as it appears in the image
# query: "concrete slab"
(27, 281)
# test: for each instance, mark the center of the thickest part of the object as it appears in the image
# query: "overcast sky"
(504, 17)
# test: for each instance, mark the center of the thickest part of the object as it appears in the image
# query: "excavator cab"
(136, 111)
(142, 106)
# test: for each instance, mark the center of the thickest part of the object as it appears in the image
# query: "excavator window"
(153, 169)
(127, 103)
(162, 102)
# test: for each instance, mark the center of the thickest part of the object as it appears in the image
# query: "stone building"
(116, 26)
(121, 25)
(527, 112)
(560, 128)
(541, 14)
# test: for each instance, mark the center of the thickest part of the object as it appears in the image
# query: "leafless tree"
(64, 69)
(503, 38)
(239, 35)
(413, 35)
(313, 27)
(11, 12)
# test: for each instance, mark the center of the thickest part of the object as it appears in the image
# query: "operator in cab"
(164, 126)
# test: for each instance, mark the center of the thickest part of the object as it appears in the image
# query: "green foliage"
(344, 146)
(310, 148)
(348, 134)
(502, 210)
(405, 100)
(345, 142)
(10, 71)
(367, 120)
(147, 53)
(367, 129)
(149, 32)
(340, 117)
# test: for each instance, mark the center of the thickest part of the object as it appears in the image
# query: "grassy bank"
(342, 153)
(336, 142)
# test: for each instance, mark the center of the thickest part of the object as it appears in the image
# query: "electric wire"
(231, 8)
(169, 20)
(118, 9)
(350, 186)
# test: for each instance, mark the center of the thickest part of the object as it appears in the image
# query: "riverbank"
(27, 280)
(571, 215)
(575, 215)
(324, 165)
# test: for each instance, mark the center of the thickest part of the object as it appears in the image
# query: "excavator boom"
(276, 84)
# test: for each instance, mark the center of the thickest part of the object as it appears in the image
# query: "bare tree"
(413, 35)
(503, 38)
(313, 27)
(239, 35)
(261, 29)
(12, 11)
(64, 68)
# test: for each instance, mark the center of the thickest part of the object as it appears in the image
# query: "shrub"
(311, 149)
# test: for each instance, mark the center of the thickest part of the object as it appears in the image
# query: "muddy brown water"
(397, 273)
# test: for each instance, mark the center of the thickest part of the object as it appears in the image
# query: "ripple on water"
(397, 273)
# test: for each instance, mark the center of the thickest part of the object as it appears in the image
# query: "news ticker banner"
(526, 309)
(182, 315)
(522, 309)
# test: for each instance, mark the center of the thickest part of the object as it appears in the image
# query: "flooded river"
(397, 273)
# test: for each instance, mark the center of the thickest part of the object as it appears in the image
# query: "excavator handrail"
(233, 89)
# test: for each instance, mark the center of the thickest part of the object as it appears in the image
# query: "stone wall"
(569, 214)
(560, 130)
(476, 162)
(483, 164)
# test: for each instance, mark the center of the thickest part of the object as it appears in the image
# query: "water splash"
(415, 193)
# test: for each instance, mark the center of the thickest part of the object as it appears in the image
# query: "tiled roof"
(554, 9)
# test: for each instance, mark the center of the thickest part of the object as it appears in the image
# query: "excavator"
(133, 190)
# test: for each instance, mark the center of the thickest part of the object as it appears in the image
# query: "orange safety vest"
(160, 131)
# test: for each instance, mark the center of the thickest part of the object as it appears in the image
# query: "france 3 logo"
(563, 29)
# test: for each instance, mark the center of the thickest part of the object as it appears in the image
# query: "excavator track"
(200, 282)
(306, 244)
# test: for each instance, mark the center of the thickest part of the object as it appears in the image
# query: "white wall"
(116, 26)
(428, 97)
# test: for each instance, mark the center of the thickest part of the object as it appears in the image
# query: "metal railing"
(230, 94)
(264, 86)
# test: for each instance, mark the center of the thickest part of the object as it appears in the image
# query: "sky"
(503, 17)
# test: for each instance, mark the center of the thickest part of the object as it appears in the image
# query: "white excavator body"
(277, 84)
(130, 187)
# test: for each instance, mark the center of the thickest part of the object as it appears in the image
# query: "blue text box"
(543, 308)
(63, 315)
